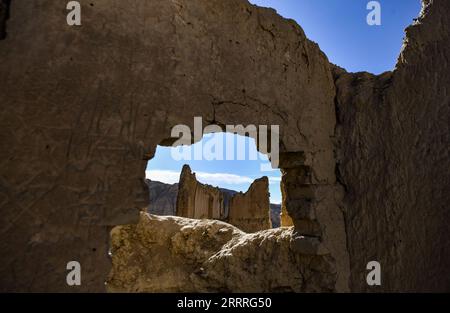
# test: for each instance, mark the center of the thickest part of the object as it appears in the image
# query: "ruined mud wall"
(197, 200)
(250, 211)
(394, 161)
(163, 200)
(83, 109)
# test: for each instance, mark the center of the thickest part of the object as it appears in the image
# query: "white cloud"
(171, 177)
(165, 176)
(222, 178)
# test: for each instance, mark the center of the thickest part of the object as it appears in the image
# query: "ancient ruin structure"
(197, 200)
(365, 157)
(248, 211)
(163, 200)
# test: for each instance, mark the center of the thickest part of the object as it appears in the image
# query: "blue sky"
(341, 30)
(232, 174)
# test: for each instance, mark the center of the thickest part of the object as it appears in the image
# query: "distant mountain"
(275, 211)
(163, 197)
(163, 200)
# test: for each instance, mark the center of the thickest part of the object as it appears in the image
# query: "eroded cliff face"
(175, 254)
(83, 109)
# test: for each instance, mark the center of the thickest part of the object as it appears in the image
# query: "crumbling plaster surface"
(83, 109)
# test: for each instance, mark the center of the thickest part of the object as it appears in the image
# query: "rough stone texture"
(83, 109)
(250, 211)
(394, 161)
(174, 254)
(162, 197)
